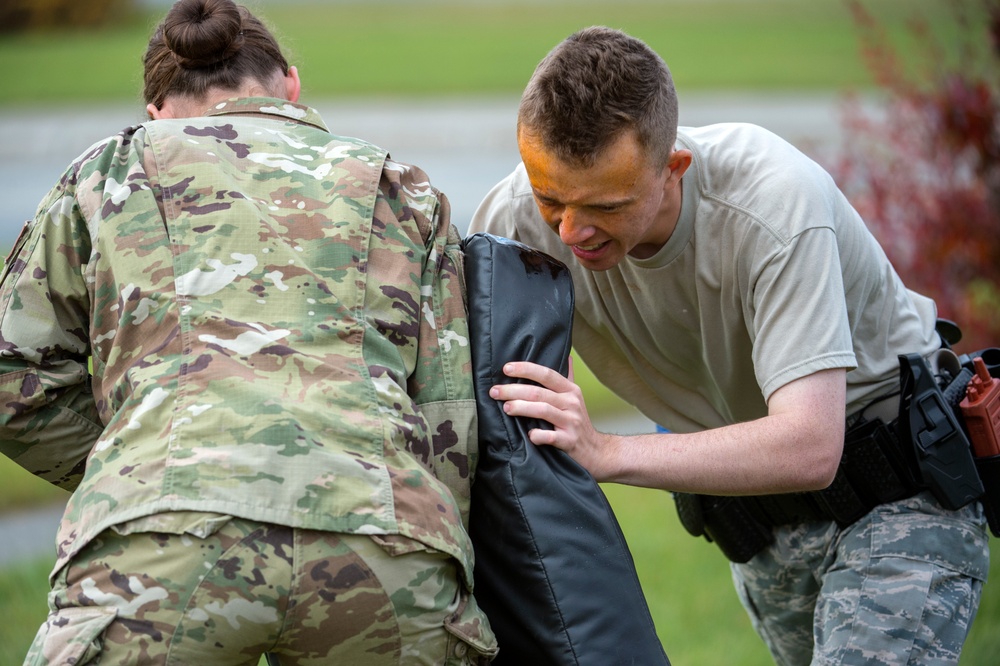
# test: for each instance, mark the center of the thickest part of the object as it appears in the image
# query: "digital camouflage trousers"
(899, 586)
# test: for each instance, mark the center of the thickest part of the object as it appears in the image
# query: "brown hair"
(593, 86)
(205, 44)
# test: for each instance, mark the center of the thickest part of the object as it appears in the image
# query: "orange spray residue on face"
(619, 205)
(610, 180)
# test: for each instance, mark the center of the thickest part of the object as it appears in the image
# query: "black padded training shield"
(553, 572)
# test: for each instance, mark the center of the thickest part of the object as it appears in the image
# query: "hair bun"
(202, 33)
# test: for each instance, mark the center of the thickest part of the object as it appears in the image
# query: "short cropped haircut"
(593, 86)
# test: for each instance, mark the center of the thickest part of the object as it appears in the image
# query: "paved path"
(29, 534)
(466, 145)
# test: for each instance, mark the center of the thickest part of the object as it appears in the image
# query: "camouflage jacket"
(276, 321)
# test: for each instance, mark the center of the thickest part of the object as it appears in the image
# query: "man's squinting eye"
(610, 208)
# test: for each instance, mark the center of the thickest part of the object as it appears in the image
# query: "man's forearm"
(753, 458)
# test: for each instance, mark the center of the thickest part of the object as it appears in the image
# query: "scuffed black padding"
(553, 572)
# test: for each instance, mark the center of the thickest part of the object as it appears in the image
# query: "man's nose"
(573, 228)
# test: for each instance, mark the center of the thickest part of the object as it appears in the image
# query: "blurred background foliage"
(42, 15)
(924, 172)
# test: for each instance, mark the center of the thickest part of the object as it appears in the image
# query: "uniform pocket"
(920, 529)
(469, 625)
(70, 636)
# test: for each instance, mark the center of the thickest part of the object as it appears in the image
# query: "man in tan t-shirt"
(727, 289)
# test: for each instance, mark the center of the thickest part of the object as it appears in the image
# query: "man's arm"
(796, 447)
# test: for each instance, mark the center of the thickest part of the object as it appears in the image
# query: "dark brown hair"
(594, 85)
(205, 44)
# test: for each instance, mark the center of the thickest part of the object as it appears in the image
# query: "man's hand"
(558, 401)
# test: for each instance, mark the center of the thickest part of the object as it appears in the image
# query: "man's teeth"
(589, 248)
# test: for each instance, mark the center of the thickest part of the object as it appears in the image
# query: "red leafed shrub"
(924, 172)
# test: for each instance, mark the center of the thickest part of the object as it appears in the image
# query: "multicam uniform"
(277, 327)
(770, 275)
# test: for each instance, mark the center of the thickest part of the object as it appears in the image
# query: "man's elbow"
(819, 477)
(820, 468)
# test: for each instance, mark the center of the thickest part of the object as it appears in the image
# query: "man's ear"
(677, 164)
(293, 85)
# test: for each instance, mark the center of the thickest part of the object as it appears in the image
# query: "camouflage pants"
(248, 588)
(900, 586)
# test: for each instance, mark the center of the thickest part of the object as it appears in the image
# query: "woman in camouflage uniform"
(274, 451)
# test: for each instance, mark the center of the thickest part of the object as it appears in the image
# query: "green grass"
(23, 590)
(441, 48)
(22, 490)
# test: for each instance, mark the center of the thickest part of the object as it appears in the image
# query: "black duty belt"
(874, 469)
(925, 448)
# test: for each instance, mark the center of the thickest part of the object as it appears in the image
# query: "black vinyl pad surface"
(553, 571)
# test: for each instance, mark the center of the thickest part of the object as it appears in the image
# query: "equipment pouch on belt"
(727, 521)
(926, 448)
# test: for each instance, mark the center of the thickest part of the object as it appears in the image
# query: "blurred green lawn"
(435, 48)
(431, 48)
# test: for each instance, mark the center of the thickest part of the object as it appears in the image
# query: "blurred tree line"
(31, 15)
(925, 172)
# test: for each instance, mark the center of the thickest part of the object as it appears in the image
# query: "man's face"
(620, 205)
